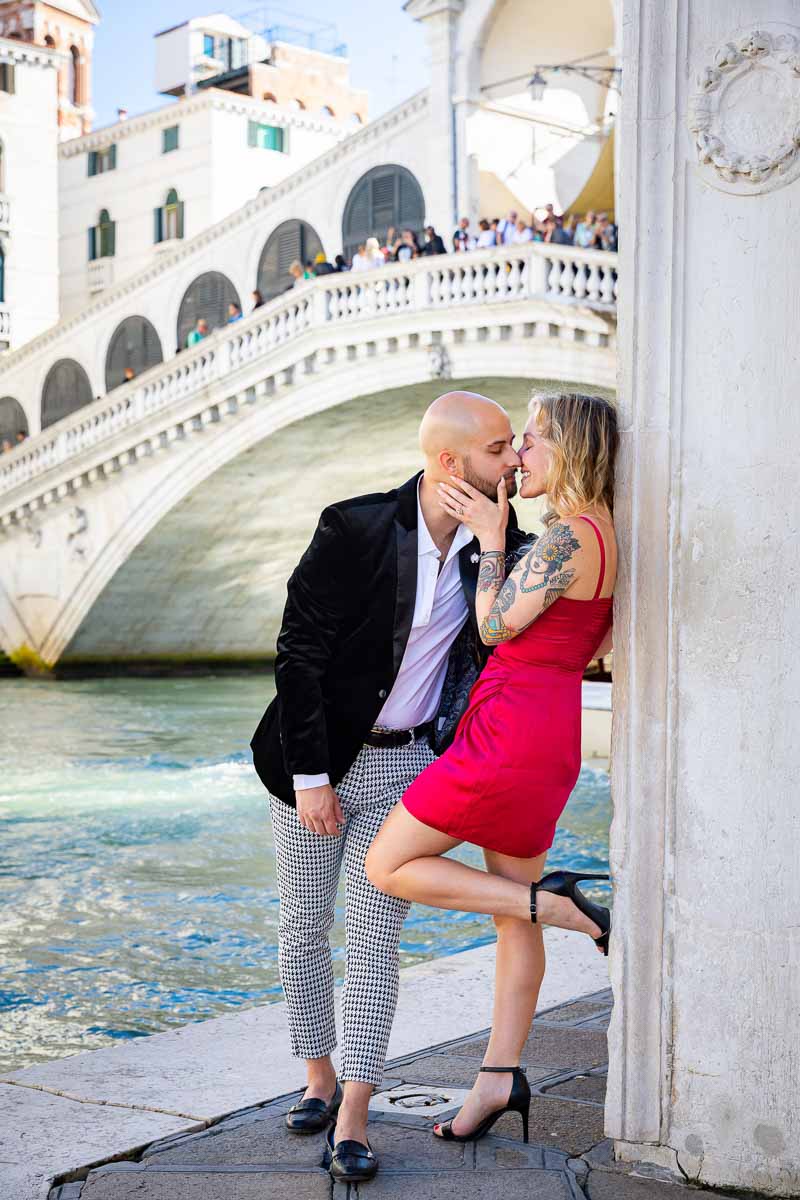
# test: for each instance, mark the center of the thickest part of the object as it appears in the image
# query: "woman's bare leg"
(405, 860)
(519, 970)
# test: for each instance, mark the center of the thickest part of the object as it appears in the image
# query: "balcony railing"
(5, 327)
(5, 213)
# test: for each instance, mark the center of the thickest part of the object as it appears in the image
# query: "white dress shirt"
(440, 611)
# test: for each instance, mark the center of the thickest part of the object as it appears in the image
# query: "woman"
(487, 236)
(505, 779)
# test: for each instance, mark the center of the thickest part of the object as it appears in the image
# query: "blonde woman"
(504, 781)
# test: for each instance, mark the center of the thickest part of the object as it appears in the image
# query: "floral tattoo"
(543, 568)
(492, 571)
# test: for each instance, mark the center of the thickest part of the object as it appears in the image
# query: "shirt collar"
(425, 543)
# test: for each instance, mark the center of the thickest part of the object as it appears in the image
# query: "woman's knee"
(378, 872)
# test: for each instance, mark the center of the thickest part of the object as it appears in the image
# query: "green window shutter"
(112, 161)
(158, 235)
(92, 162)
(112, 238)
(280, 140)
(252, 133)
(180, 218)
(10, 71)
(92, 244)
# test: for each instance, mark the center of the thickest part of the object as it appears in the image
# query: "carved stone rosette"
(745, 116)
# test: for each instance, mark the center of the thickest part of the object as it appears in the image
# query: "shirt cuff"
(301, 782)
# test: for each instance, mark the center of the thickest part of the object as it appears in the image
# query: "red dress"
(516, 755)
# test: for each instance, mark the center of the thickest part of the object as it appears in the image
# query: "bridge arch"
(385, 196)
(66, 389)
(291, 240)
(12, 418)
(206, 296)
(135, 344)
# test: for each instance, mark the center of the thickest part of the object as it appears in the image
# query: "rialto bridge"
(134, 528)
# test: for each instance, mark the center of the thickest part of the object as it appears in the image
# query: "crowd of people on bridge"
(592, 231)
(8, 444)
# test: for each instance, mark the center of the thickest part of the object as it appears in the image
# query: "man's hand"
(319, 810)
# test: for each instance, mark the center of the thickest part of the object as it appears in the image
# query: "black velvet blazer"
(347, 620)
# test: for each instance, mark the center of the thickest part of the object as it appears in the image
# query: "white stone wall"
(29, 133)
(214, 171)
(705, 1048)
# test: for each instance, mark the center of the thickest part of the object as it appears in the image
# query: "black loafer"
(349, 1161)
(312, 1116)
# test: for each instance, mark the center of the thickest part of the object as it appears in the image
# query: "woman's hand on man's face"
(483, 516)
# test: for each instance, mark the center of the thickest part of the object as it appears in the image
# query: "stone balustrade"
(5, 213)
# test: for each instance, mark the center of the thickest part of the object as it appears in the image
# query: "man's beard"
(485, 486)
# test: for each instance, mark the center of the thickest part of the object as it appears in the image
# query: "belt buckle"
(411, 737)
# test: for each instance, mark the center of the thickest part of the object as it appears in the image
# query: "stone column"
(705, 846)
(440, 18)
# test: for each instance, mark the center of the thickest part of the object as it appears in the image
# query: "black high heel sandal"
(565, 883)
(519, 1101)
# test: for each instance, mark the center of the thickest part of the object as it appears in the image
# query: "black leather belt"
(387, 739)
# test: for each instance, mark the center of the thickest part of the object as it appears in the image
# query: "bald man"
(376, 656)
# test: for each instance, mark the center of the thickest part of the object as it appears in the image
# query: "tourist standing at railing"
(322, 266)
(234, 312)
(368, 256)
(199, 332)
(522, 233)
(463, 240)
(408, 248)
(487, 236)
(585, 231)
(377, 651)
(433, 242)
(391, 242)
(507, 229)
(6, 446)
(605, 233)
(297, 273)
(340, 263)
(258, 299)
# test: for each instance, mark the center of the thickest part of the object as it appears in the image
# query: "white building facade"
(28, 191)
(137, 189)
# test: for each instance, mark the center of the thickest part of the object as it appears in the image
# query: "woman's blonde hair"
(581, 432)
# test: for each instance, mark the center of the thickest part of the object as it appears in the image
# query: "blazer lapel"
(468, 566)
(406, 544)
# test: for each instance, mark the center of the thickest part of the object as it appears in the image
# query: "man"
(462, 238)
(322, 266)
(507, 228)
(199, 332)
(376, 655)
(585, 234)
(433, 242)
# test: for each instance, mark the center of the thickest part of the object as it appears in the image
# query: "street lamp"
(601, 75)
(536, 85)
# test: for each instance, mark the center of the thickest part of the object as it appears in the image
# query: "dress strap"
(601, 544)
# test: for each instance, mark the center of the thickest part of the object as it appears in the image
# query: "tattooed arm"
(544, 573)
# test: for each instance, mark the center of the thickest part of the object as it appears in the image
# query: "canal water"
(137, 884)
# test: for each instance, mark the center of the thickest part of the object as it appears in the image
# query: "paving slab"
(259, 1142)
(399, 1147)
(572, 1128)
(614, 1185)
(581, 1010)
(457, 1069)
(464, 1185)
(581, 1087)
(558, 1048)
(117, 1183)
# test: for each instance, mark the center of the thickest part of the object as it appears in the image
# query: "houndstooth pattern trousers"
(308, 869)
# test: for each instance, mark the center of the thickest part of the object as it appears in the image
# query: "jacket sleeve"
(315, 611)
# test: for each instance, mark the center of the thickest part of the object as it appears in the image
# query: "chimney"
(122, 114)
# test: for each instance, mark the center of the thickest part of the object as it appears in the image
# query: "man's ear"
(448, 462)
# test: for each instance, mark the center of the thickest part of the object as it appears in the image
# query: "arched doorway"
(12, 419)
(65, 390)
(385, 196)
(135, 344)
(207, 296)
(291, 240)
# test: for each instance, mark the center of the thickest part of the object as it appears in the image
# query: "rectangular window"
(101, 161)
(208, 45)
(7, 78)
(169, 139)
(267, 137)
